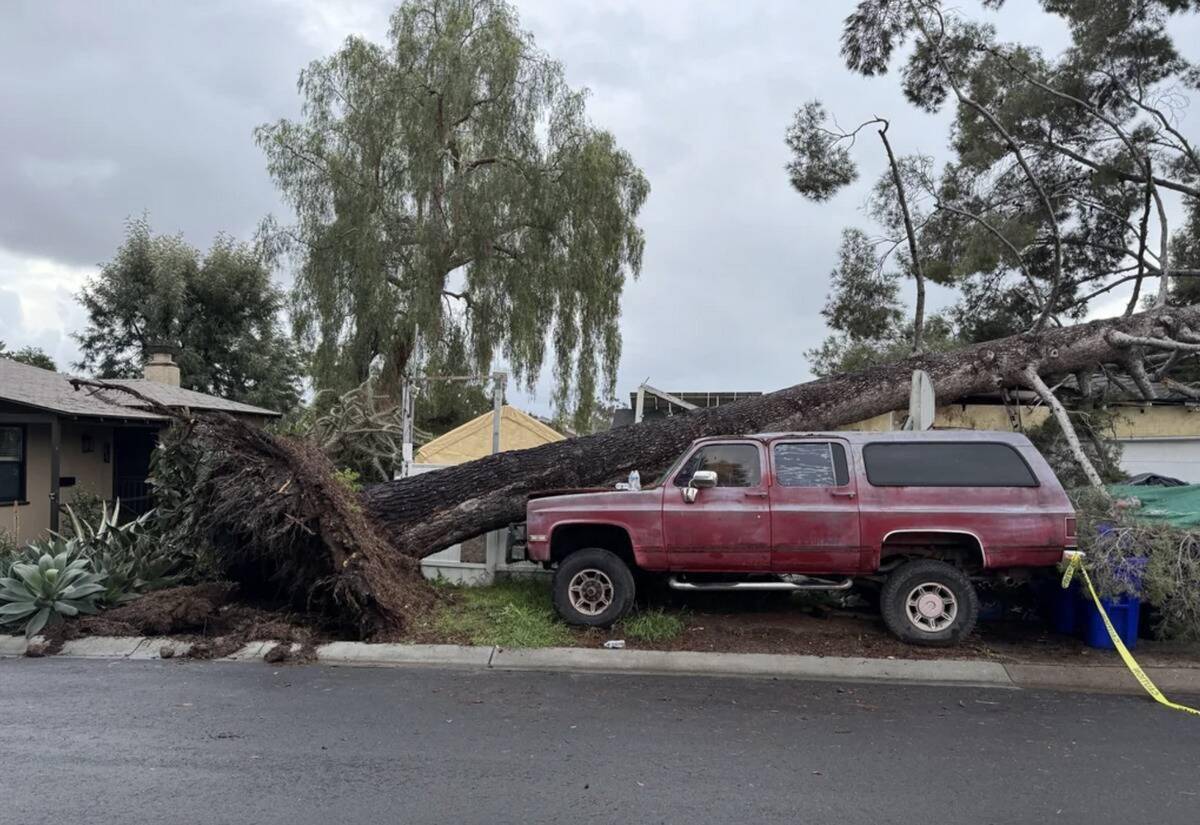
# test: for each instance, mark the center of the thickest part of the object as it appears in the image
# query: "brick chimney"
(161, 367)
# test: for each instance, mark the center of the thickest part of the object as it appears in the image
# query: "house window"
(12, 464)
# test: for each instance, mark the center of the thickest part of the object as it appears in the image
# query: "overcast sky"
(111, 108)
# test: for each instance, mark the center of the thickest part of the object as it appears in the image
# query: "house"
(58, 442)
(1160, 436)
(518, 431)
(477, 560)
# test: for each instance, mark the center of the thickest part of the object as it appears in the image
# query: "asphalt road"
(190, 742)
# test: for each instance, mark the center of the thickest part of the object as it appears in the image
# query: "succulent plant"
(56, 586)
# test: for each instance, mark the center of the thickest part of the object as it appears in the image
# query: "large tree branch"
(918, 271)
(426, 513)
(1121, 174)
(1035, 382)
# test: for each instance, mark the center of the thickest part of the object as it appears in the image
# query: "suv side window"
(946, 464)
(811, 464)
(736, 465)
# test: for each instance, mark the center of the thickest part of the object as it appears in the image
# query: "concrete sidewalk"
(967, 672)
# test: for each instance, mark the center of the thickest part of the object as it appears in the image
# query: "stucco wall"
(31, 521)
(92, 474)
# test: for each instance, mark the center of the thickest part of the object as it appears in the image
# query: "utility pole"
(499, 381)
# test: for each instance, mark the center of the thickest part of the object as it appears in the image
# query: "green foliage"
(361, 430)
(8, 548)
(129, 556)
(841, 353)
(1094, 428)
(60, 583)
(218, 311)
(864, 299)
(442, 405)
(33, 356)
(508, 613)
(1115, 541)
(821, 163)
(350, 479)
(86, 507)
(655, 625)
(451, 174)
(1080, 126)
(177, 468)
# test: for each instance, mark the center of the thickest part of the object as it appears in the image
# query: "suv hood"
(595, 500)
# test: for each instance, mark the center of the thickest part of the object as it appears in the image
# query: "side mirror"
(701, 479)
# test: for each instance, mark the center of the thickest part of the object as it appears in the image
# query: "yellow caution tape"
(1075, 561)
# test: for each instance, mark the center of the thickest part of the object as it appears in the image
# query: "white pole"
(499, 379)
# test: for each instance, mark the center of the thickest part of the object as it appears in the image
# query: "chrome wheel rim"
(591, 592)
(931, 607)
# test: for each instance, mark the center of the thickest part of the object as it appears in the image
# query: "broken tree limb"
(1036, 383)
(426, 513)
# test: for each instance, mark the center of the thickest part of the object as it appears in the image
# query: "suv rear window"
(946, 464)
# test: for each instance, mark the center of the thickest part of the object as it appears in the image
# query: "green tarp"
(1177, 506)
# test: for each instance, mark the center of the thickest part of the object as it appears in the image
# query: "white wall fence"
(447, 565)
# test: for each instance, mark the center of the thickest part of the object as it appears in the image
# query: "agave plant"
(131, 562)
(56, 586)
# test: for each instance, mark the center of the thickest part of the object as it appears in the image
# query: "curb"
(781, 666)
(959, 672)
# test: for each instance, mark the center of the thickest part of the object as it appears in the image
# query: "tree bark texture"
(426, 513)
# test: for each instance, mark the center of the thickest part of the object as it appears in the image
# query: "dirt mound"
(173, 611)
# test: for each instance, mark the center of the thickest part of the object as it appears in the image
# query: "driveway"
(209, 742)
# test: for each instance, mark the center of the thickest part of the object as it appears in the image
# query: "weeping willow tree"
(452, 177)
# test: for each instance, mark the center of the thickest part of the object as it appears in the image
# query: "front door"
(814, 508)
(727, 527)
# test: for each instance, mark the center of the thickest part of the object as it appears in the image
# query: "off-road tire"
(901, 588)
(607, 564)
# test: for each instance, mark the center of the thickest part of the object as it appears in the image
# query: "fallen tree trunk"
(426, 513)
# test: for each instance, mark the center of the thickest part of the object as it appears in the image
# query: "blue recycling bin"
(1075, 614)
(1123, 612)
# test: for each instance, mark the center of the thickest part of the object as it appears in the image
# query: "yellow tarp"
(518, 431)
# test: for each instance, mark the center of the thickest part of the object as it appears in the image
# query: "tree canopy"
(33, 356)
(447, 177)
(218, 312)
(1064, 171)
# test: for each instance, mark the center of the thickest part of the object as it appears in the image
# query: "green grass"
(508, 614)
(655, 625)
(520, 613)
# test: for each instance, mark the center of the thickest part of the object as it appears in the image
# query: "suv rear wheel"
(593, 587)
(929, 602)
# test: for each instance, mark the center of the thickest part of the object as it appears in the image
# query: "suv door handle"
(755, 494)
(842, 493)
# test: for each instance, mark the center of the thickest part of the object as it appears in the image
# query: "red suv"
(916, 515)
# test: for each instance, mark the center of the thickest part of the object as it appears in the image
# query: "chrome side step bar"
(713, 587)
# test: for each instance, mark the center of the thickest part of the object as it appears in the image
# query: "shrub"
(58, 585)
(1117, 544)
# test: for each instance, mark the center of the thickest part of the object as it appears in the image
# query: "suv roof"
(862, 436)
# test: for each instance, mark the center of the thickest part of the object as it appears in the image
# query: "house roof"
(53, 392)
(518, 431)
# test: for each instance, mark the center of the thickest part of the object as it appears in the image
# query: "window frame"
(22, 466)
(833, 464)
(757, 446)
(1036, 482)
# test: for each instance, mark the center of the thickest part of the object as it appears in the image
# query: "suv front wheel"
(593, 587)
(929, 602)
